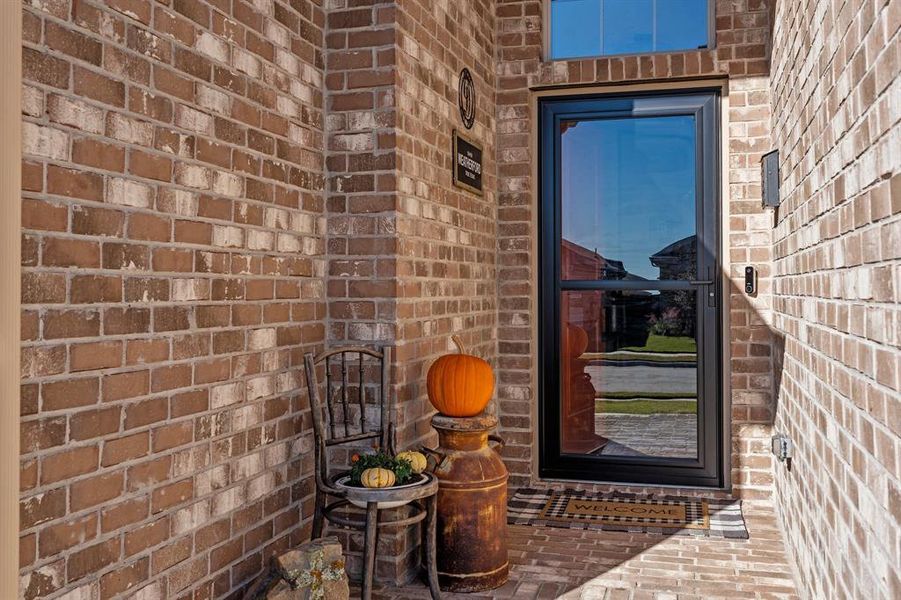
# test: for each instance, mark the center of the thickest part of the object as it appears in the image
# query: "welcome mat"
(666, 514)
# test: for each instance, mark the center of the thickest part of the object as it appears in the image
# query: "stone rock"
(313, 571)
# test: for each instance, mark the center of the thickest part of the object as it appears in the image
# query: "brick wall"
(742, 38)
(361, 207)
(213, 187)
(361, 164)
(173, 254)
(411, 257)
(446, 235)
(837, 246)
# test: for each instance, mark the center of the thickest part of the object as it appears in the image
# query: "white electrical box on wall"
(782, 447)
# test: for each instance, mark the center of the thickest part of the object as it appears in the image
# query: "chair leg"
(369, 547)
(431, 543)
(318, 517)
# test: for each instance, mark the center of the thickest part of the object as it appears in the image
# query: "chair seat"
(362, 496)
(345, 514)
(405, 497)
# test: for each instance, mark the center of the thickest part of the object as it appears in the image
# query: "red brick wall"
(411, 257)
(837, 253)
(446, 236)
(173, 254)
(740, 56)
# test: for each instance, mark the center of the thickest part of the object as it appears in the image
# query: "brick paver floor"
(599, 565)
(650, 435)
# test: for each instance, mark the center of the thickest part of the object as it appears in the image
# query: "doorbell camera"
(750, 280)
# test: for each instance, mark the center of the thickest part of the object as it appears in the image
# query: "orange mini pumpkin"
(460, 385)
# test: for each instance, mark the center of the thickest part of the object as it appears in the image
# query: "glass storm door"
(630, 289)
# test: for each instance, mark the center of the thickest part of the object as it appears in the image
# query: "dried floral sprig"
(317, 574)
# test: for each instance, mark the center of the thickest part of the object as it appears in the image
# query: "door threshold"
(547, 481)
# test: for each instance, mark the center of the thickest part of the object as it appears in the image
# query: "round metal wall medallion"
(467, 99)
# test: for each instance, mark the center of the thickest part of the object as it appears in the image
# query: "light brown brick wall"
(446, 235)
(837, 285)
(411, 257)
(361, 164)
(361, 203)
(213, 187)
(740, 57)
(173, 262)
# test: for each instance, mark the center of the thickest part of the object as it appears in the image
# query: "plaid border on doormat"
(704, 517)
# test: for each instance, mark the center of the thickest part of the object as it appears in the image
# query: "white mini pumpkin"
(377, 478)
(416, 459)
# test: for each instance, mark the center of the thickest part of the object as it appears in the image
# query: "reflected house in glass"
(582, 332)
(610, 319)
(678, 261)
(578, 262)
(582, 309)
(594, 321)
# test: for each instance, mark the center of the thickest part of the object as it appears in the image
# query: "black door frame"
(708, 469)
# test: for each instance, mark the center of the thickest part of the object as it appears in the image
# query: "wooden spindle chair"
(341, 417)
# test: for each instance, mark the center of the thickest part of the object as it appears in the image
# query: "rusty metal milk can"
(472, 504)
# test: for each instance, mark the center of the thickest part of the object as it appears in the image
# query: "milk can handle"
(492, 437)
(438, 456)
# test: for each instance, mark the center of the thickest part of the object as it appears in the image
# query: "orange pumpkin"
(460, 385)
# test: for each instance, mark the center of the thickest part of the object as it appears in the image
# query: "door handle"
(710, 285)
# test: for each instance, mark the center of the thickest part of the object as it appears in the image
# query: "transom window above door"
(586, 28)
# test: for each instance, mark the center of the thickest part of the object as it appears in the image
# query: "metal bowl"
(360, 496)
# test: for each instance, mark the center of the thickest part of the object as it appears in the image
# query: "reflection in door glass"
(628, 26)
(629, 373)
(577, 28)
(630, 308)
(585, 28)
(628, 189)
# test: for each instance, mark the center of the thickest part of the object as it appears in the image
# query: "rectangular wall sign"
(467, 164)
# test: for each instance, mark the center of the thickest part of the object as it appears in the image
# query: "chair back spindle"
(419, 502)
(387, 416)
(335, 406)
(361, 399)
(328, 394)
